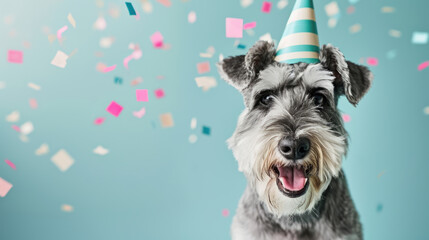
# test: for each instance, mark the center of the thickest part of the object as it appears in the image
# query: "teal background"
(154, 184)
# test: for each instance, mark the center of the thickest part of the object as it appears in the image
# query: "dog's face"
(290, 139)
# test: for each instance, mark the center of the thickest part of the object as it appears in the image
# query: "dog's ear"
(239, 71)
(351, 79)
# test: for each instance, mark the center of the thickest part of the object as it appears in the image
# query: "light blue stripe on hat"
(301, 26)
(297, 60)
(303, 4)
(298, 48)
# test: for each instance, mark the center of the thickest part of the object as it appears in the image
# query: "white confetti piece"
(394, 33)
(27, 128)
(23, 138)
(192, 17)
(43, 149)
(266, 37)
(13, 117)
(193, 138)
(100, 23)
(332, 22)
(246, 3)
(60, 59)
(206, 82)
(387, 9)
(282, 4)
(71, 20)
(355, 28)
(62, 160)
(420, 37)
(2, 85)
(193, 123)
(332, 9)
(100, 150)
(106, 42)
(426, 110)
(34, 86)
(147, 6)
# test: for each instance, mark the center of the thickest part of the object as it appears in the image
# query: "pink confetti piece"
(136, 81)
(114, 108)
(166, 3)
(266, 7)
(160, 77)
(192, 17)
(137, 16)
(203, 67)
(11, 164)
(33, 103)
(16, 128)
(5, 186)
(346, 118)
(249, 25)
(137, 53)
(350, 9)
(225, 212)
(61, 31)
(234, 27)
(109, 69)
(423, 65)
(99, 121)
(372, 61)
(159, 93)
(157, 40)
(142, 95)
(14, 56)
(140, 113)
(100, 23)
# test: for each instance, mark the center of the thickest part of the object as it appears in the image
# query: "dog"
(289, 143)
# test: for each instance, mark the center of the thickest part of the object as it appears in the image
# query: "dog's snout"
(294, 149)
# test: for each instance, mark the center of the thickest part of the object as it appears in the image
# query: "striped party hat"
(300, 42)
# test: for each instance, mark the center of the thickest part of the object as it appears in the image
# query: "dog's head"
(290, 139)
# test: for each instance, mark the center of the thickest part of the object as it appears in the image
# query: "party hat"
(300, 42)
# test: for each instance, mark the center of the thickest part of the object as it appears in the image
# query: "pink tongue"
(292, 179)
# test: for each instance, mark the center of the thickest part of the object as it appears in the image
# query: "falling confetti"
(355, 28)
(11, 164)
(395, 33)
(142, 95)
(130, 7)
(192, 17)
(225, 212)
(203, 67)
(66, 208)
(387, 9)
(27, 128)
(249, 25)
(234, 27)
(71, 20)
(266, 7)
(99, 121)
(192, 138)
(13, 117)
(5, 187)
(193, 123)
(34, 86)
(62, 160)
(372, 61)
(157, 40)
(61, 31)
(423, 65)
(166, 120)
(159, 93)
(60, 59)
(140, 113)
(246, 3)
(206, 82)
(282, 4)
(109, 69)
(14, 56)
(42, 150)
(114, 108)
(420, 37)
(426, 110)
(206, 130)
(100, 150)
(346, 118)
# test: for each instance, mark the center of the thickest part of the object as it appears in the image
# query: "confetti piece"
(192, 138)
(157, 40)
(137, 54)
(193, 123)
(225, 212)
(282, 4)
(106, 42)
(61, 31)
(159, 93)
(192, 17)
(234, 27)
(394, 33)
(142, 95)
(246, 3)
(209, 53)
(27, 128)
(350, 9)
(137, 16)
(355, 28)
(14, 56)
(372, 61)
(100, 150)
(266, 37)
(33, 103)
(426, 110)
(423, 65)
(114, 108)
(2, 85)
(130, 7)
(60, 59)
(5, 186)
(16, 128)
(62, 160)
(332, 22)
(34, 86)
(266, 7)
(379, 207)
(42, 150)
(147, 6)
(66, 208)
(71, 20)
(346, 118)
(109, 69)
(136, 81)
(387, 9)
(99, 121)
(117, 80)
(206, 82)
(249, 25)
(420, 37)
(100, 23)
(241, 46)
(11, 164)
(166, 120)
(166, 3)
(99, 3)
(206, 130)
(381, 174)
(332, 9)
(140, 113)
(203, 67)
(13, 117)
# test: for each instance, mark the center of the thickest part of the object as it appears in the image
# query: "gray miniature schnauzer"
(289, 143)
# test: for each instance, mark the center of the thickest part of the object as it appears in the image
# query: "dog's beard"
(258, 155)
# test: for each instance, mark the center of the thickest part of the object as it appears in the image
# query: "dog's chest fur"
(334, 217)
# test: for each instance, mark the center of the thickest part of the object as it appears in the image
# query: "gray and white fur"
(286, 103)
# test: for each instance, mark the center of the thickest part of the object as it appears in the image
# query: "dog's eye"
(266, 99)
(318, 99)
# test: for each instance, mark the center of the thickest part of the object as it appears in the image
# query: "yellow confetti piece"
(67, 208)
(71, 20)
(394, 33)
(166, 120)
(355, 28)
(387, 9)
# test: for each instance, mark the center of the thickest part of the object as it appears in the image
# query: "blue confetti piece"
(130, 8)
(118, 80)
(241, 46)
(206, 130)
(379, 207)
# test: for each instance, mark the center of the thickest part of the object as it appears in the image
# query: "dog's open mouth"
(292, 181)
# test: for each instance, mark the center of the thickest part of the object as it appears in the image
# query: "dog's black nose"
(294, 149)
